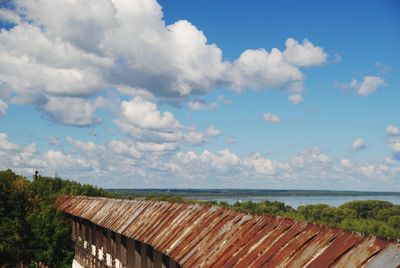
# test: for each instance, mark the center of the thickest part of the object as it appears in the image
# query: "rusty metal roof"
(197, 235)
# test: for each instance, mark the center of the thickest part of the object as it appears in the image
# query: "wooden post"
(80, 228)
(118, 246)
(143, 255)
(73, 228)
(138, 256)
(149, 256)
(157, 259)
(130, 252)
(109, 248)
(94, 242)
(107, 243)
(172, 263)
(113, 249)
(76, 228)
(90, 235)
(124, 247)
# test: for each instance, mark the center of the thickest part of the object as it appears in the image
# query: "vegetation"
(31, 231)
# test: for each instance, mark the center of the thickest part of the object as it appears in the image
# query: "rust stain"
(197, 235)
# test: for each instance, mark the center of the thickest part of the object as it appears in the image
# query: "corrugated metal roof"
(197, 235)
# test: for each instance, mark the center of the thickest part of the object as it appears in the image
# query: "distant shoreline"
(249, 192)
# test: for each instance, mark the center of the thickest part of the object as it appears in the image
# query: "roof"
(197, 235)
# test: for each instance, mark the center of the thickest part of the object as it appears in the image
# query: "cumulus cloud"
(71, 111)
(296, 99)
(149, 164)
(142, 120)
(5, 144)
(369, 85)
(88, 147)
(305, 54)
(366, 87)
(81, 49)
(263, 166)
(149, 128)
(124, 148)
(201, 105)
(156, 147)
(358, 145)
(213, 131)
(194, 137)
(393, 140)
(260, 69)
(271, 118)
(392, 131)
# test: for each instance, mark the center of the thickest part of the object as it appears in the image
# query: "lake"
(296, 201)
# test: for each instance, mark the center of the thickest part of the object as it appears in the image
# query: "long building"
(148, 234)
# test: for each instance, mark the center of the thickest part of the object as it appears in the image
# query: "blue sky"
(205, 94)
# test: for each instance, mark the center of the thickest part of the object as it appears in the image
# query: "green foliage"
(366, 208)
(264, 207)
(167, 197)
(31, 231)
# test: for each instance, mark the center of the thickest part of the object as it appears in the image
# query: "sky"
(202, 94)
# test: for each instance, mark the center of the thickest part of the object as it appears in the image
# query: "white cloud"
(271, 118)
(201, 105)
(149, 164)
(5, 144)
(393, 141)
(144, 114)
(213, 132)
(156, 147)
(83, 48)
(259, 69)
(195, 138)
(296, 99)
(53, 141)
(56, 160)
(369, 85)
(358, 145)
(88, 147)
(71, 111)
(3, 108)
(313, 156)
(392, 130)
(263, 166)
(141, 120)
(346, 163)
(305, 54)
(124, 148)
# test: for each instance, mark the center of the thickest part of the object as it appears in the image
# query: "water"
(296, 201)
